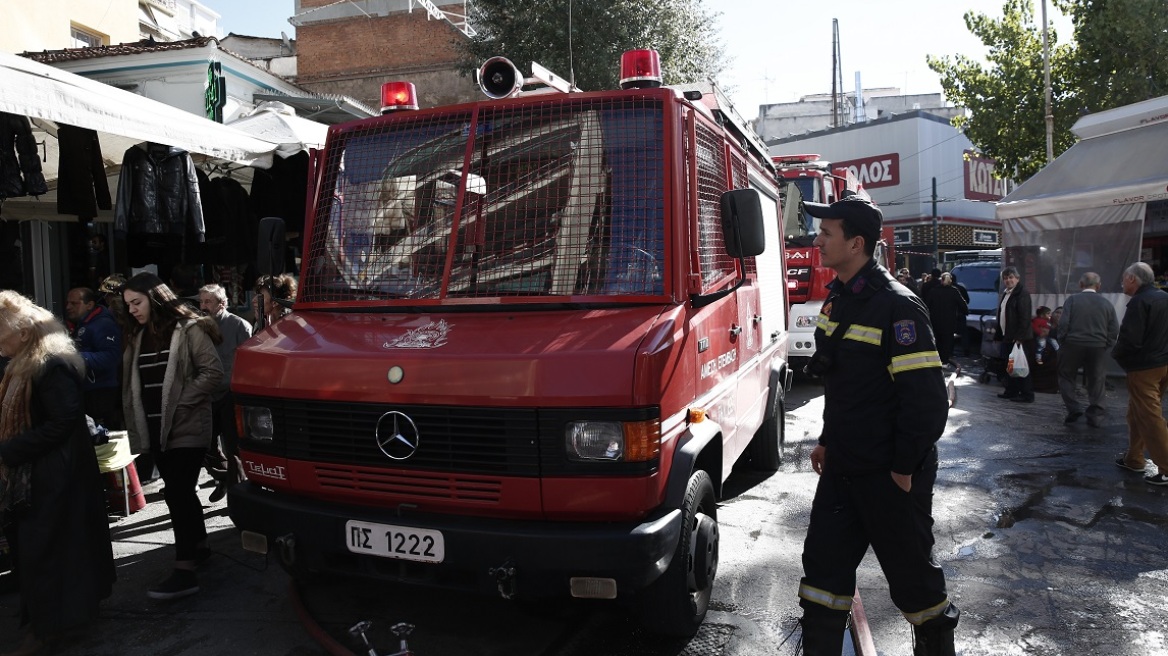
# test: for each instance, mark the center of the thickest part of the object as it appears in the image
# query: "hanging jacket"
(158, 193)
(20, 163)
(82, 188)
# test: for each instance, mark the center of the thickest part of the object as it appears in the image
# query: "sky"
(778, 51)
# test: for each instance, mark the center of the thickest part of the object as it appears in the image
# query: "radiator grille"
(492, 441)
(405, 484)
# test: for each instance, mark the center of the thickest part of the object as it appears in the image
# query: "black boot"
(935, 637)
(936, 642)
(823, 636)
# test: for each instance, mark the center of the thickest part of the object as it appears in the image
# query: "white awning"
(278, 123)
(1115, 168)
(36, 90)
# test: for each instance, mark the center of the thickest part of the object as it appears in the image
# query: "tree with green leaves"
(1007, 119)
(681, 31)
(1122, 51)
(1119, 56)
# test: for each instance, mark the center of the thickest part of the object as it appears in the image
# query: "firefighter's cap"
(858, 212)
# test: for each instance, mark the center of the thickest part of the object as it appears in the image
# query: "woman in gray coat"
(171, 369)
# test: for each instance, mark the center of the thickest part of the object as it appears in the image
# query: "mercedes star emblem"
(397, 435)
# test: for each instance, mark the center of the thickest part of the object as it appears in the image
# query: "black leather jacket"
(20, 163)
(158, 193)
(1143, 335)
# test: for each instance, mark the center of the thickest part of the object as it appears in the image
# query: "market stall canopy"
(1120, 159)
(278, 123)
(40, 91)
(1086, 210)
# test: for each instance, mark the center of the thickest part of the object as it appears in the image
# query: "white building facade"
(898, 159)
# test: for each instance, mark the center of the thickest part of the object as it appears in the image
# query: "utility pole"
(1046, 86)
(837, 77)
(936, 230)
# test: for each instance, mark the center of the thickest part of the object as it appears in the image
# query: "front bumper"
(544, 555)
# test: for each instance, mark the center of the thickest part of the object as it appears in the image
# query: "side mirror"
(742, 223)
(271, 246)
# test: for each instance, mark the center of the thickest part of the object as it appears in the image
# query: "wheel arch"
(701, 448)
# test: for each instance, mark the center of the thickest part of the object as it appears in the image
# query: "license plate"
(401, 542)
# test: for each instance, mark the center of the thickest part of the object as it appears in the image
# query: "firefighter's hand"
(903, 481)
(817, 455)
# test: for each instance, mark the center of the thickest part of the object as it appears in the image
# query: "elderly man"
(235, 331)
(1087, 330)
(1142, 351)
(98, 338)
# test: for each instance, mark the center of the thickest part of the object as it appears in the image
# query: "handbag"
(1017, 366)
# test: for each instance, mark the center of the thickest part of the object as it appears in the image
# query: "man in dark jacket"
(99, 340)
(1086, 331)
(1014, 315)
(1142, 351)
(885, 407)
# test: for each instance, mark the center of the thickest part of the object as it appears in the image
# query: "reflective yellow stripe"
(825, 598)
(825, 324)
(925, 615)
(920, 360)
(866, 334)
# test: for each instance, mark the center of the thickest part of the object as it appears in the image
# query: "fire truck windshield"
(544, 199)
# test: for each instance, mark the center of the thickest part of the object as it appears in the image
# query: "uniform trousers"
(1145, 417)
(851, 513)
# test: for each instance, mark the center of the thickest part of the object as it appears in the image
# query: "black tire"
(676, 603)
(766, 447)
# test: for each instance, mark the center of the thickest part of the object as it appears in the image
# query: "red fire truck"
(532, 336)
(810, 178)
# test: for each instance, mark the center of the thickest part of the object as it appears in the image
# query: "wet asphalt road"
(1049, 548)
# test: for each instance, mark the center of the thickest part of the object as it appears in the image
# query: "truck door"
(763, 316)
(718, 326)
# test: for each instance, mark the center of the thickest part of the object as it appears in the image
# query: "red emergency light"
(640, 69)
(794, 159)
(397, 96)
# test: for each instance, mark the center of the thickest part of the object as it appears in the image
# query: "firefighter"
(885, 407)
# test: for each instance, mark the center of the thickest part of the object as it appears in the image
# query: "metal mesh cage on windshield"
(551, 199)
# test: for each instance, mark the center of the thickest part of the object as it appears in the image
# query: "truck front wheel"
(676, 603)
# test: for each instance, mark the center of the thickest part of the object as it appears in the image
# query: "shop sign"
(980, 181)
(874, 172)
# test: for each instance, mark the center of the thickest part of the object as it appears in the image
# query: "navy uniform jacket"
(885, 402)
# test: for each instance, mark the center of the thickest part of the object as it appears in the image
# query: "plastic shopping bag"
(1017, 366)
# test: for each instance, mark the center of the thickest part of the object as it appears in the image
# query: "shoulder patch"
(906, 332)
(826, 309)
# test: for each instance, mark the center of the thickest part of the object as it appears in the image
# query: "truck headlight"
(257, 423)
(613, 441)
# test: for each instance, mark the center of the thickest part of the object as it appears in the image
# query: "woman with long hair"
(170, 370)
(52, 498)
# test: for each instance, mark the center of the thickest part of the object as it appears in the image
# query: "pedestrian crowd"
(142, 356)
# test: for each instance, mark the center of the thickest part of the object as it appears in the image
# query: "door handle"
(735, 330)
(757, 318)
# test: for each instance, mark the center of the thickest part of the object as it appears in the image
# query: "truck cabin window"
(553, 199)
